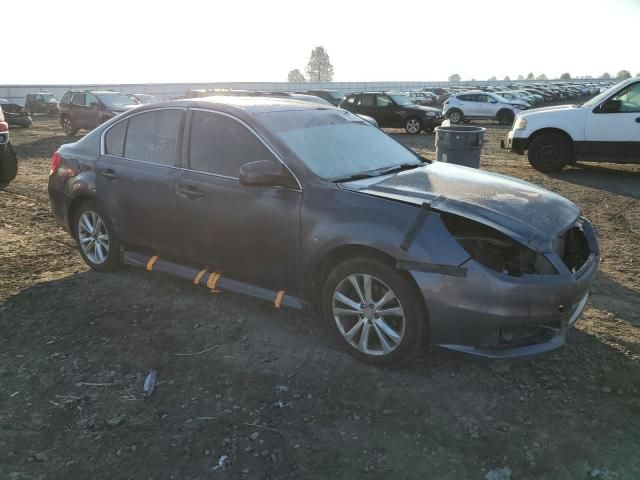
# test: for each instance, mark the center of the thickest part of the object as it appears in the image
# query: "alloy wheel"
(454, 117)
(93, 237)
(368, 314)
(66, 125)
(413, 125)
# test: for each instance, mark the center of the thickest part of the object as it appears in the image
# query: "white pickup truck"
(604, 129)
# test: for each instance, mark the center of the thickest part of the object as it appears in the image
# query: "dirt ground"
(276, 395)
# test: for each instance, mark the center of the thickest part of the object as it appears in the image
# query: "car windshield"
(144, 98)
(336, 144)
(402, 100)
(500, 98)
(335, 95)
(598, 98)
(48, 96)
(117, 99)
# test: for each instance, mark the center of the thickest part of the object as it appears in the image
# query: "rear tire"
(95, 237)
(505, 117)
(413, 125)
(455, 116)
(8, 164)
(393, 329)
(67, 126)
(549, 152)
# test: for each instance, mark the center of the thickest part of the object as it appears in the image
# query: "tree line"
(621, 75)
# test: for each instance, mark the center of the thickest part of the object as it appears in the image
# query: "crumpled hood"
(529, 214)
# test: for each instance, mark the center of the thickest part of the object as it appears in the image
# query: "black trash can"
(461, 145)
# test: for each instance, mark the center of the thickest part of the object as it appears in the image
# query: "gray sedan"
(301, 204)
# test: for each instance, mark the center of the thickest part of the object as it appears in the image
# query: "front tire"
(67, 126)
(505, 117)
(413, 125)
(455, 115)
(374, 312)
(549, 152)
(96, 239)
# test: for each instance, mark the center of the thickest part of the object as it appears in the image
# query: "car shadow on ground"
(79, 349)
(43, 146)
(616, 179)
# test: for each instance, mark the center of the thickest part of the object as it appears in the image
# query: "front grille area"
(573, 248)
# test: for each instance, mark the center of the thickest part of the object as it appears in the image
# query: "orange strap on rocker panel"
(212, 281)
(152, 262)
(278, 298)
(199, 276)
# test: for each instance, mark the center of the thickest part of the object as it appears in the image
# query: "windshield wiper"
(397, 168)
(356, 176)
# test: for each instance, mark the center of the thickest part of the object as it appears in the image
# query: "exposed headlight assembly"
(495, 250)
(520, 124)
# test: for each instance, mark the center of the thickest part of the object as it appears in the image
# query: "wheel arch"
(73, 207)
(339, 254)
(546, 130)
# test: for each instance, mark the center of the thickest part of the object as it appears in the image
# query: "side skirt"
(214, 280)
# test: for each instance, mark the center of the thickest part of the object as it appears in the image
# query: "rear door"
(390, 114)
(614, 132)
(92, 112)
(136, 179)
(366, 104)
(78, 110)
(252, 233)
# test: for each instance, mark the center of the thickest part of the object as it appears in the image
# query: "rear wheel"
(505, 117)
(97, 241)
(67, 126)
(549, 152)
(413, 125)
(455, 115)
(8, 164)
(374, 312)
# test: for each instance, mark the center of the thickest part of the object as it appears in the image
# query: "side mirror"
(611, 106)
(263, 173)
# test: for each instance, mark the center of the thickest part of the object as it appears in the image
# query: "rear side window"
(222, 145)
(114, 139)
(153, 137)
(368, 100)
(66, 98)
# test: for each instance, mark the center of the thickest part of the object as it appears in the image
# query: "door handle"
(110, 174)
(191, 192)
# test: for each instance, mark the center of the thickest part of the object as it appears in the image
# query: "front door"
(612, 130)
(136, 179)
(389, 112)
(251, 233)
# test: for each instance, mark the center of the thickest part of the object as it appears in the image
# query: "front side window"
(383, 101)
(153, 137)
(91, 100)
(221, 145)
(78, 99)
(629, 99)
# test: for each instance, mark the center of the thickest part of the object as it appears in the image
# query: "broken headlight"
(495, 250)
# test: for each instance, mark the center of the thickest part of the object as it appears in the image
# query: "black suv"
(41, 102)
(88, 109)
(393, 110)
(332, 96)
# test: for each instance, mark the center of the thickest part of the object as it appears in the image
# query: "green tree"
(542, 76)
(520, 77)
(454, 78)
(565, 76)
(319, 68)
(492, 79)
(507, 78)
(531, 76)
(606, 76)
(296, 76)
(624, 74)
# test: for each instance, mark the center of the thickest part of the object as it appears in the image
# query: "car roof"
(249, 104)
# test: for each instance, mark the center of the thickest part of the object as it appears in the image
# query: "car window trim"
(178, 162)
(247, 126)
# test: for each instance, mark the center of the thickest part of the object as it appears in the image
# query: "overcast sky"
(66, 41)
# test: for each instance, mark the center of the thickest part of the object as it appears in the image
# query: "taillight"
(55, 162)
(4, 127)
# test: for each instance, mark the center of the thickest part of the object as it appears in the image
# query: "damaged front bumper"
(494, 315)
